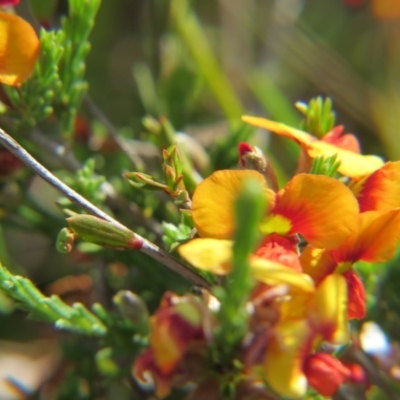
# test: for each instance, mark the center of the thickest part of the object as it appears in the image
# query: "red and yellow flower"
(325, 212)
(321, 209)
(180, 332)
(375, 240)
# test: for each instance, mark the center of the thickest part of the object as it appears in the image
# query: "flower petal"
(347, 141)
(375, 239)
(19, 49)
(208, 254)
(148, 375)
(273, 273)
(351, 164)
(325, 373)
(356, 294)
(287, 131)
(386, 9)
(317, 263)
(284, 358)
(381, 190)
(6, 3)
(213, 202)
(328, 309)
(322, 209)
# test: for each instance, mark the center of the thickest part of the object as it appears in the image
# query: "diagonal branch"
(147, 247)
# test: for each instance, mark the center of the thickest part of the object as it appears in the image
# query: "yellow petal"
(284, 358)
(214, 199)
(351, 164)
(211, 255)
(19, 49)
(273, 273)
(328, 309)
(287, 131)
(317, 263)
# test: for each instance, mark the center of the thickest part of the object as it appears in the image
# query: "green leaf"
(319, 116)
(51, 309)
(249, 209)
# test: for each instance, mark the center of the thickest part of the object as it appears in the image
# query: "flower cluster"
(305, 289)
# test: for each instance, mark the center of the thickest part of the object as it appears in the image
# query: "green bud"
(132, 307)
(187, 218)
(65, 241)
(182, 198)
(170, 177)
(103, 233)
(152, 125)
(105, 364)
(143, 181)
(168, 133)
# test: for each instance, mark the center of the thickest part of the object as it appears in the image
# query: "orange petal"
(321, 209)
(287, 131)
(386, 9)
(273, 273)
(328, 309)
(356, 294)
(351, 164)
(19, 49)
(213, 202)
(284, 358)
(381, 190)
(317, 263)
(375, 239)
(208, 254)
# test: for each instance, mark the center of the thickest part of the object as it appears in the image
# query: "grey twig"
(148, 248)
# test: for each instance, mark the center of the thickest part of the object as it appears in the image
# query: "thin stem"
(112, 132)
(147, 247)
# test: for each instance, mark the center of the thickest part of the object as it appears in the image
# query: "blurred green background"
(202, 64)
(272, 53)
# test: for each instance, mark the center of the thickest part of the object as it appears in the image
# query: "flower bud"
(103, 233)
(325, 373)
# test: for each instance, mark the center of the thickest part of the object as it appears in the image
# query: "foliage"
(171, 258)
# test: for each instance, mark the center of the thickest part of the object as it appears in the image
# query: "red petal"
(356, 295)
(325, 373)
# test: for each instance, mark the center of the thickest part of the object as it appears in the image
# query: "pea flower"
(321, 209)
(19, 49)
(352, 163)
(180, 333)
(374, 240)
(306, 321)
